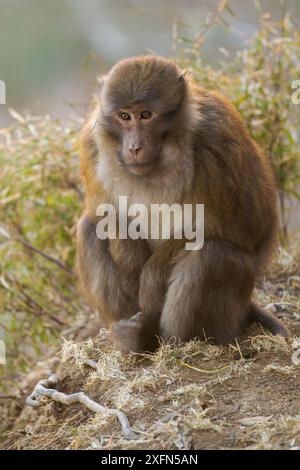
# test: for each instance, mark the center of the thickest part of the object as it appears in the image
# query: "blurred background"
(51, 50)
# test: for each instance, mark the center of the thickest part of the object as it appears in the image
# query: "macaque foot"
(126, 334)
(134, 334)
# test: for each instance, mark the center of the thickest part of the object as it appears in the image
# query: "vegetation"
(259, 81)
(39, 203)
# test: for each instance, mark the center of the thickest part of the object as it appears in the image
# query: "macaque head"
(141, 99)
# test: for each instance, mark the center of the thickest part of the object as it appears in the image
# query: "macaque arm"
(155, 276)
(100, 276)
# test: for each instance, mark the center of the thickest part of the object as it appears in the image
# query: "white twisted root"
(42, 390)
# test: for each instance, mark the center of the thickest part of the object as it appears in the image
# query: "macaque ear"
(183, 83)
(101, 79)
(183, 75)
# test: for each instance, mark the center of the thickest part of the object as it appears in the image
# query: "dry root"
(42, 390)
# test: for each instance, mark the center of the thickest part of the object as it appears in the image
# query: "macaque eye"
(146, 115)
(125, 116)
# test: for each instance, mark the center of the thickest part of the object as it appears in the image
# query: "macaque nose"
(135, 149)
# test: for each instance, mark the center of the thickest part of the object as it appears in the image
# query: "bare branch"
(32, 248)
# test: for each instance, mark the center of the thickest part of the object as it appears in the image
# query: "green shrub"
(40, 198)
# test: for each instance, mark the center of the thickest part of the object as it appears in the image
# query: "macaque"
(157, 137)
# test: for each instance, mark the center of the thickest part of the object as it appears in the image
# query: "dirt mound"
(197, 396)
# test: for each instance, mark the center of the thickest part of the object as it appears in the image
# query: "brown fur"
(195, 149)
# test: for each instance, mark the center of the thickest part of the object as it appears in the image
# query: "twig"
(239, 349)
(32, 248)
(91, 363)
(215, 17)
(9, 397)
(42, 390)
(204, 371)
(45, 255)
(228, 413)
(33, 305)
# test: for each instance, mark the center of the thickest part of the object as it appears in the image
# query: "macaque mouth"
(142, 164)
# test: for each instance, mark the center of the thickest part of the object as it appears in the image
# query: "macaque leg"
(109, 271)
(209, 294)
(204, 294)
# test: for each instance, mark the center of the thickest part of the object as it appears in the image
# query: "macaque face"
(140, 100)
(140, 130)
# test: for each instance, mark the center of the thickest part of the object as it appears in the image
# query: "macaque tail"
(266, 319)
